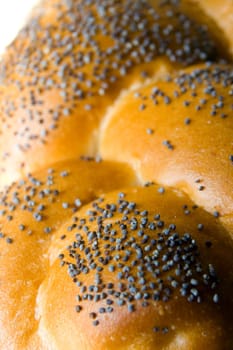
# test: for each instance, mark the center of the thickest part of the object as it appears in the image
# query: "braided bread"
(116, 205)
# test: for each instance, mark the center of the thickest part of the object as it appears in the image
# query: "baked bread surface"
(116, 177)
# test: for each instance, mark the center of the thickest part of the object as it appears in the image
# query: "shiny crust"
(189, 134)
(117, 115)
(173, 321)
(58, 80)
(222, 14)
(33, 210)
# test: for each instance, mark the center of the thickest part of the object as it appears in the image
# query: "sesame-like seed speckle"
(150, 131)
(146, 266)
(137, 33)
(216, 298)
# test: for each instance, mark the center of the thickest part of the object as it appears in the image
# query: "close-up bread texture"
(116, 177)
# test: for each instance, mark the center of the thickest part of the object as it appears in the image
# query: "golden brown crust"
(68, 65)
(125, 314)
(147, 267)
(31, 212)
(187, 143)
(222, 14)
(49, 311)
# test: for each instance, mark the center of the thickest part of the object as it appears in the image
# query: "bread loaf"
(116, 176)
(72, 61)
